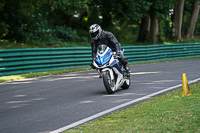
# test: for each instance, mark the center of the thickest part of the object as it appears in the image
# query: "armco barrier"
(16, 61)
(146, 53)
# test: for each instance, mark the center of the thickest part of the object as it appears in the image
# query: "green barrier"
(16, 61)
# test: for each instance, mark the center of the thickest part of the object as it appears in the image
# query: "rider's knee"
(124, 61)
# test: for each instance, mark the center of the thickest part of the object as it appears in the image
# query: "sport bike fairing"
(105, 58)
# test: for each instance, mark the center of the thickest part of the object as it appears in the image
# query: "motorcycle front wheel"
(108, 82)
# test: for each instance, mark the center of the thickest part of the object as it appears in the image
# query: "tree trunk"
(154, 29)
(179, 18)
(193, 19)
(144, 28)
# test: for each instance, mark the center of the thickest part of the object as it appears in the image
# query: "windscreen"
(101, 48)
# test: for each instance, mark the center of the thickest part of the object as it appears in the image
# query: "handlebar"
(115, 55)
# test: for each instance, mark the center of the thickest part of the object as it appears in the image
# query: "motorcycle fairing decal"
(103, 59)
(114, 63)
(99, 61)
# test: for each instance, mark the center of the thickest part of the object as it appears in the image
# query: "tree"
(193, 19)
(32, 19)
(144, 28)
(178, 19)
(122, 11)
(154, 29)
(159, 10)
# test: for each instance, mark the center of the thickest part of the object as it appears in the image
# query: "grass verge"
(166, 113)
(38, 74)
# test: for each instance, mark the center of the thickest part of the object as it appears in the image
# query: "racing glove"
(118, 53)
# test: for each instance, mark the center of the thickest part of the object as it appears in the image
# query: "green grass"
(166, 113)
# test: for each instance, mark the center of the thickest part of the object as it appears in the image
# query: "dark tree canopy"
(48, 21)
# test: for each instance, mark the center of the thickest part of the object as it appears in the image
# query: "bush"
(68, 34)
(36, 29)
(161, 37)
(4, 29)
(65, 33)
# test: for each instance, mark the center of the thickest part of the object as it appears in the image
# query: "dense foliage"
(59, 21)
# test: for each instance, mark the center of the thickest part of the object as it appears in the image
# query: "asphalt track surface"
(45, 104)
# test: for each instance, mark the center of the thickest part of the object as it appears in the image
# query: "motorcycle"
(111, 69)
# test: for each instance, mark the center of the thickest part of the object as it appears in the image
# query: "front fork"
(106, 69)
(99, 72)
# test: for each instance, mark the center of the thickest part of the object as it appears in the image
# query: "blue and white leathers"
(111, 69)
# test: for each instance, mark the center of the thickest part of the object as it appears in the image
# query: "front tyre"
(108, 82)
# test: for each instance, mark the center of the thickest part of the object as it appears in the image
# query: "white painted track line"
(118, 107)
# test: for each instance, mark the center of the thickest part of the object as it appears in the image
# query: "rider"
(99, 37)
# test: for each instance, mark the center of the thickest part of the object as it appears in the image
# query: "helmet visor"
(94, 34)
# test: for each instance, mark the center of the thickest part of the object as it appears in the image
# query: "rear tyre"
(108, 83)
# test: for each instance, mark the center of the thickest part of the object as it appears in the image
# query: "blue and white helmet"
(95, 31)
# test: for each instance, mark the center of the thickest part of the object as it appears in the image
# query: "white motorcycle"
(111, 69)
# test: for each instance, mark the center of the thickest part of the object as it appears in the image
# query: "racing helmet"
(95, 31)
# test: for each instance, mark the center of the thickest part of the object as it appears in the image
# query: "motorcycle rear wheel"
(108, 83)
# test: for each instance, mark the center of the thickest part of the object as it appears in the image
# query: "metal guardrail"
(16, 61)
(147, 53)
